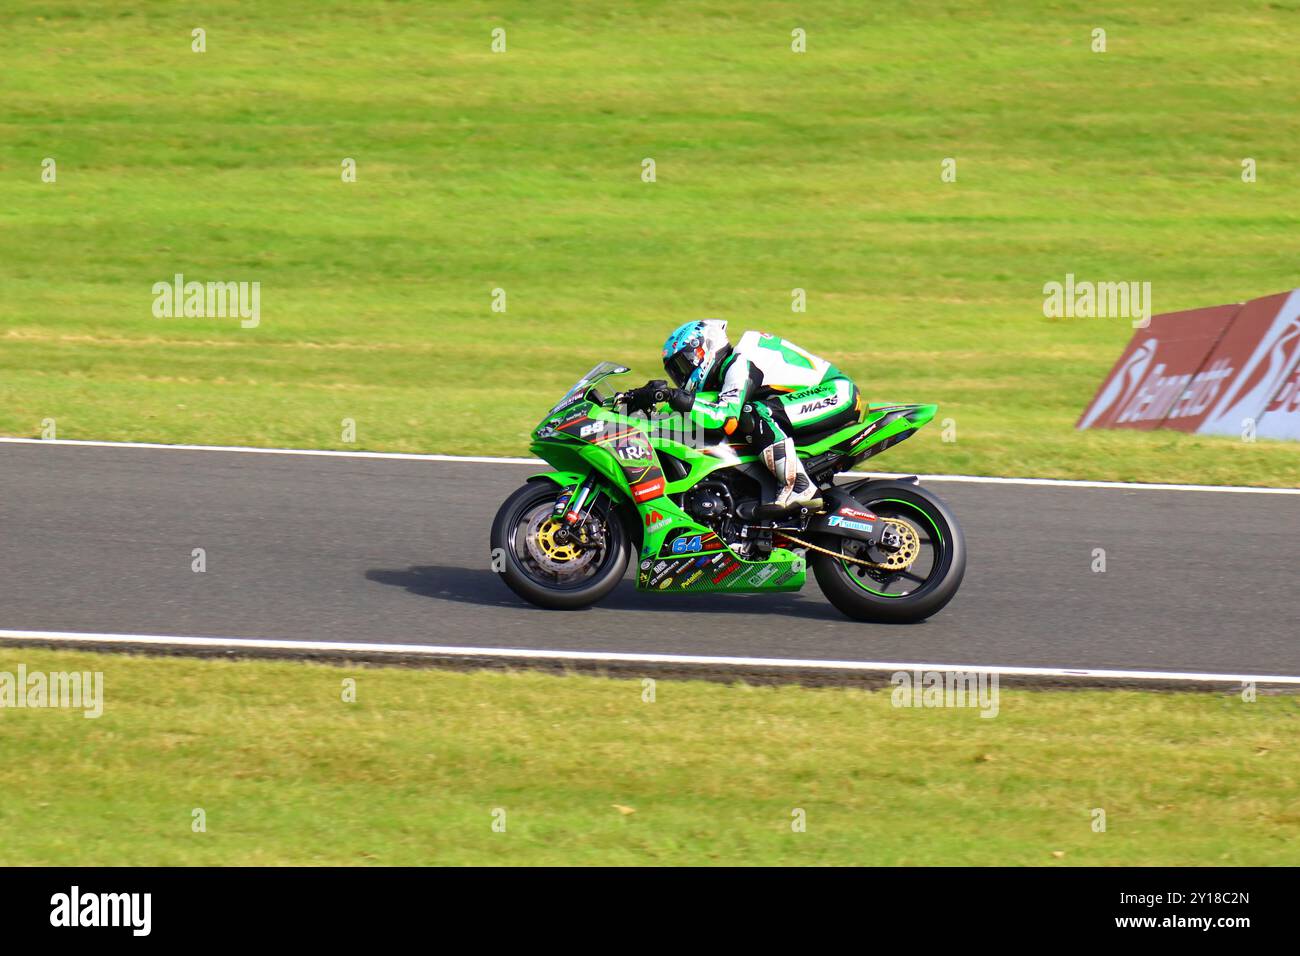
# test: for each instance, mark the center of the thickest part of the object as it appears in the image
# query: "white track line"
(431, 650)
(401, 456)
(323, 453)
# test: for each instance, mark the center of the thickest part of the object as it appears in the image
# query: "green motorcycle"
(695, 514)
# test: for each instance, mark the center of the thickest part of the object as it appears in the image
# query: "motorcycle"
(695, 515)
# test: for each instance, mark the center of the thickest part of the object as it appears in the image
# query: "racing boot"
(794, 489)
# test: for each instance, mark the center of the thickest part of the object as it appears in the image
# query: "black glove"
(648, 395)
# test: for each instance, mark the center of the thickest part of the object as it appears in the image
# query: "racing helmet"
(692, 351)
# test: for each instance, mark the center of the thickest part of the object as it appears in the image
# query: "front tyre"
(545, 566)
(909, 585)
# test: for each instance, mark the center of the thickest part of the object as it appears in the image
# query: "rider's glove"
(655, 393)
(647, 396)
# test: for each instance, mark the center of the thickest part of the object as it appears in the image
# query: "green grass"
(521, 170)
(412, 771)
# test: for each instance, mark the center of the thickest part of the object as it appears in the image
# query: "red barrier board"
(1226, 370)
(1263, 345)
(1161, 365)
(1282, 414)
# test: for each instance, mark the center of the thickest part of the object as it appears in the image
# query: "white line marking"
(432, 650)
(1078, 483)
(403, 456)
(400, 456)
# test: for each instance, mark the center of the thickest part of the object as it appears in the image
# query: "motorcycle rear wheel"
(914, 593)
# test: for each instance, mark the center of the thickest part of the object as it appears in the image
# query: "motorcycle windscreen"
(600, 371)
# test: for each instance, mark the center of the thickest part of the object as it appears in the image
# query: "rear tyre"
(936, 549)
(543, 568)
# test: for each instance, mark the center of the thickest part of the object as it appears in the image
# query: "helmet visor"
(679, 367)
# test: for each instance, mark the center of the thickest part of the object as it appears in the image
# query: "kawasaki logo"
(648, 489)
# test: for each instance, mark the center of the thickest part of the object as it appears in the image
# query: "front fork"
(572, 509)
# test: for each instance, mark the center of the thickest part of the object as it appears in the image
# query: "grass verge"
(588, 772)
(521, 171)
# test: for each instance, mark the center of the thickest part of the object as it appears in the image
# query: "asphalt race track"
(100, 539)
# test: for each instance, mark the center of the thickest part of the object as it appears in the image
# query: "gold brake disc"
(554, 550)
(553, 554)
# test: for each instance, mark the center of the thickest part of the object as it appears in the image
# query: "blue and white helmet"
(692, 350)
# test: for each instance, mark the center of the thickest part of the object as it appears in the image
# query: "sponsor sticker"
(670, 570)
(576, 397)
(829, 402)
(654, 521)
(731, 568)
(648, 489)
(797, 567)
(835, 521)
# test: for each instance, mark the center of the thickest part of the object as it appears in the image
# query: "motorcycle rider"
(768, 390)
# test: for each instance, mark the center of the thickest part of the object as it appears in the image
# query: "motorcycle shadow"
(483, 587)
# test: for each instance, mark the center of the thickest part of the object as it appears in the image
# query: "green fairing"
(575, 456)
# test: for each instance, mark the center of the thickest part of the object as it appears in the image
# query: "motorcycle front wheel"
(543, 563)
